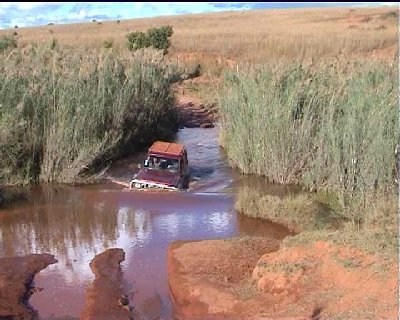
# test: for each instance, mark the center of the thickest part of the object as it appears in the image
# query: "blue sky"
(25, 14)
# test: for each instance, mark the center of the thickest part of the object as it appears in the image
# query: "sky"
(27, 14)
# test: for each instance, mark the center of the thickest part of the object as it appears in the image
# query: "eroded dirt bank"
(16, 278)
(105, 298)
(193, 113)
(343, 282)
(211, 279)
(224, 279)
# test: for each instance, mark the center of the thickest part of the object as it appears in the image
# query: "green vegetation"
(326, 127)
(53, 44)
(7, 42)
(108, 44)
(66, 114)
(158, 38)
(331, 128)
(390, 14)
(298, 212)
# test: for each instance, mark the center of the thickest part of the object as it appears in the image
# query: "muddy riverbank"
(105, 297)
(211, 279)
(16, 284)
(224, 279)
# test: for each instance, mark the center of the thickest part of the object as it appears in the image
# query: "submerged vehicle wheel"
(184, 184)
(131, 185)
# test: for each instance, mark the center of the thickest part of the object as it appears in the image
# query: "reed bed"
(65, 114)
(332, 128)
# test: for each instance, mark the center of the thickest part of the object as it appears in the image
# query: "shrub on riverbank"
(297, 212)
(332, 128)
(65, 114)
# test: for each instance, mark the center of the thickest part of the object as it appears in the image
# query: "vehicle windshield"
(162, 164)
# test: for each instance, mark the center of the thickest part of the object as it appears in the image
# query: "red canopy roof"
(167, 148)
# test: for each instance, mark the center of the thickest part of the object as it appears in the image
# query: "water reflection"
(219, 221)
(76, 223)
(54, 221)
(72, 224)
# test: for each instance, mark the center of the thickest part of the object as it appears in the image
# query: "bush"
(157, 38)
(297, 212)
(7, 42)
(53, 44)
(107, 44)
(390, 14)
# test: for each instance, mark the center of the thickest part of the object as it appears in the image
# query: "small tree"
(157, 38)
(137, 40)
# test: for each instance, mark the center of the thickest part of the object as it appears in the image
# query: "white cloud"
(17, 22)
(375, 4)
(389, 4)
(82, 14)
(138, 6)
(26, 5)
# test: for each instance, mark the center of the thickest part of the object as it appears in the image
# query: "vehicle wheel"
(186, 183)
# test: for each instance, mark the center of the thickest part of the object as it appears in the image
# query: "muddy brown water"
(76, 223)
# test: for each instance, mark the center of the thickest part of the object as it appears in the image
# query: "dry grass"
(255, 36)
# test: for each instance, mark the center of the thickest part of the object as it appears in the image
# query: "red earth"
(226, 279)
